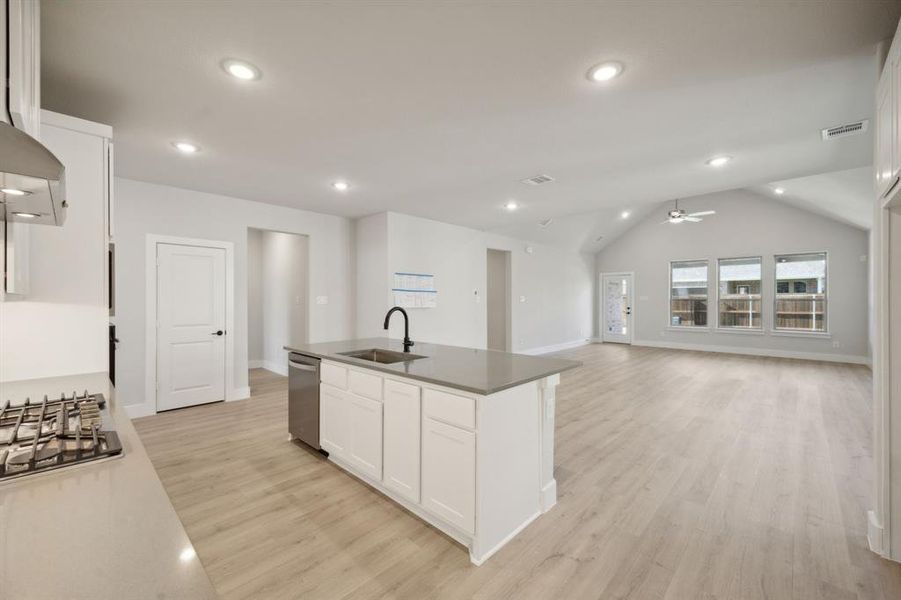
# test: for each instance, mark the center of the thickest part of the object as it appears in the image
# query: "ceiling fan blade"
(702, 213)
(692, 219)
(665, 222)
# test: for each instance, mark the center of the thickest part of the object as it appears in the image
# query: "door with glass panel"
(616, 310)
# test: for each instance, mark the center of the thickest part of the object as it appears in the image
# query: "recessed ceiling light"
(779, 191)
(605, 71)
(240, 69)
(187, 554)
(511, 205)
(27, 215)
(718, 161)
(14, 192)
(625, 214)
(341, 186)
(186, 147)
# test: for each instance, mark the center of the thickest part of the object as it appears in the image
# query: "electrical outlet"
(522, 298)
(836, 344)
(321, 299)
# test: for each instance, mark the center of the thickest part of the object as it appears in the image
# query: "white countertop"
(98, 530)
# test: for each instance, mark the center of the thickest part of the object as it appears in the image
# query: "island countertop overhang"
(482, 372)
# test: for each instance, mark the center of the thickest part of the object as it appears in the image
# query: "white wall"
(497, 299)
(60, 326)
(556, 285)
(284, 311)
(746, 224)
(254, 298)
(144, 208)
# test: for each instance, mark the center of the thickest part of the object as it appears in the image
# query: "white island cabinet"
(477, 467)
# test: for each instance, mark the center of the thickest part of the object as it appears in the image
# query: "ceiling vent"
(845, 130)
(537, 180)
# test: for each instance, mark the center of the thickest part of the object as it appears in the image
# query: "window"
(801, 292)
(739, 293)
(688, 293)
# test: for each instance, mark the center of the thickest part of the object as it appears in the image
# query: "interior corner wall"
(746, 224)
(146, 208)
(551, 288)
(254, 298)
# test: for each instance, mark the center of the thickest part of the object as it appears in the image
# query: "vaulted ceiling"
(439, 109)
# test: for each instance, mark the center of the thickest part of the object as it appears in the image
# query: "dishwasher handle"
(301, 366)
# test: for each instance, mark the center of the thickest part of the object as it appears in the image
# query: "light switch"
(321, 299)
(522, 298)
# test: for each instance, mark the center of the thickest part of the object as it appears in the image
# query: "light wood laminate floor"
(680, 475)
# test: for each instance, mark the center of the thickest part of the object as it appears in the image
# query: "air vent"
(537, 180)
(845, 130)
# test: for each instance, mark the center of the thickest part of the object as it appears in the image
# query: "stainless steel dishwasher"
(303, 399)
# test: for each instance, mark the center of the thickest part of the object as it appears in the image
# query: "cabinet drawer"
(333, 375)
(365, 384)
(450, 408)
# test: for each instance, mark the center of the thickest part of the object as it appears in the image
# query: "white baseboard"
(555, 347)
(276, 367)
(241, 393)
(135, 411)
(255, 364)
(840, 358)
(875, 534)
(549, 496)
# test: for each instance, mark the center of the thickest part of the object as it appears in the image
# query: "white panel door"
(616, 309)
(190, 325)
(449, 473)
(366, 435)
(402, 428)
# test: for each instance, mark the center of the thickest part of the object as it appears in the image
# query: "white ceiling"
(846, 196)
(439, 109)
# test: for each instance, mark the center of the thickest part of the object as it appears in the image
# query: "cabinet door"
(895, 62)
(449, 473)
(334, 430)
(366, 435)
(885, 129)
(402, 428)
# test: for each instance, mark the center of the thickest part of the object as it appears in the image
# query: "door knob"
(220, 332)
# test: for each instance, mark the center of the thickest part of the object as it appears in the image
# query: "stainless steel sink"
(379, 355)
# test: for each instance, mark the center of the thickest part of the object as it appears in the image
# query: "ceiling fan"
(678, 215)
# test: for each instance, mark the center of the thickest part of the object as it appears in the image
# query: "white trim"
(555, 347)
(841, 358)
(739, 330)
(277, 368)
(55, 119)
(875, 534)
(150, 341)
(135, 411)
(481, 558)
(800, 333)
(696, 329)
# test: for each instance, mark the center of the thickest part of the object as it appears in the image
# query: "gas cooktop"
(41, 436)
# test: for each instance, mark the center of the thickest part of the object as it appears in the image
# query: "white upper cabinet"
(23, 62)
(887, 158)
(884, 156)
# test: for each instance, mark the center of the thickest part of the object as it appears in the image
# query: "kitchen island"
(463, 438)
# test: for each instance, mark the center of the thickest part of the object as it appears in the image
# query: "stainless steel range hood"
(32, 180)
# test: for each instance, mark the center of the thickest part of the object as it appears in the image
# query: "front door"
(616, 312)
(190, 325)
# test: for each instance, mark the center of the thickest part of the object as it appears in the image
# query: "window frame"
(775, 329)
(734, 329)
(669, 300)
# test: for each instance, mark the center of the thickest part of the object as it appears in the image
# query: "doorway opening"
(277, 301)
(617, 316)
(498, 300)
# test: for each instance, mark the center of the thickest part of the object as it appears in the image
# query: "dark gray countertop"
(477, 371)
